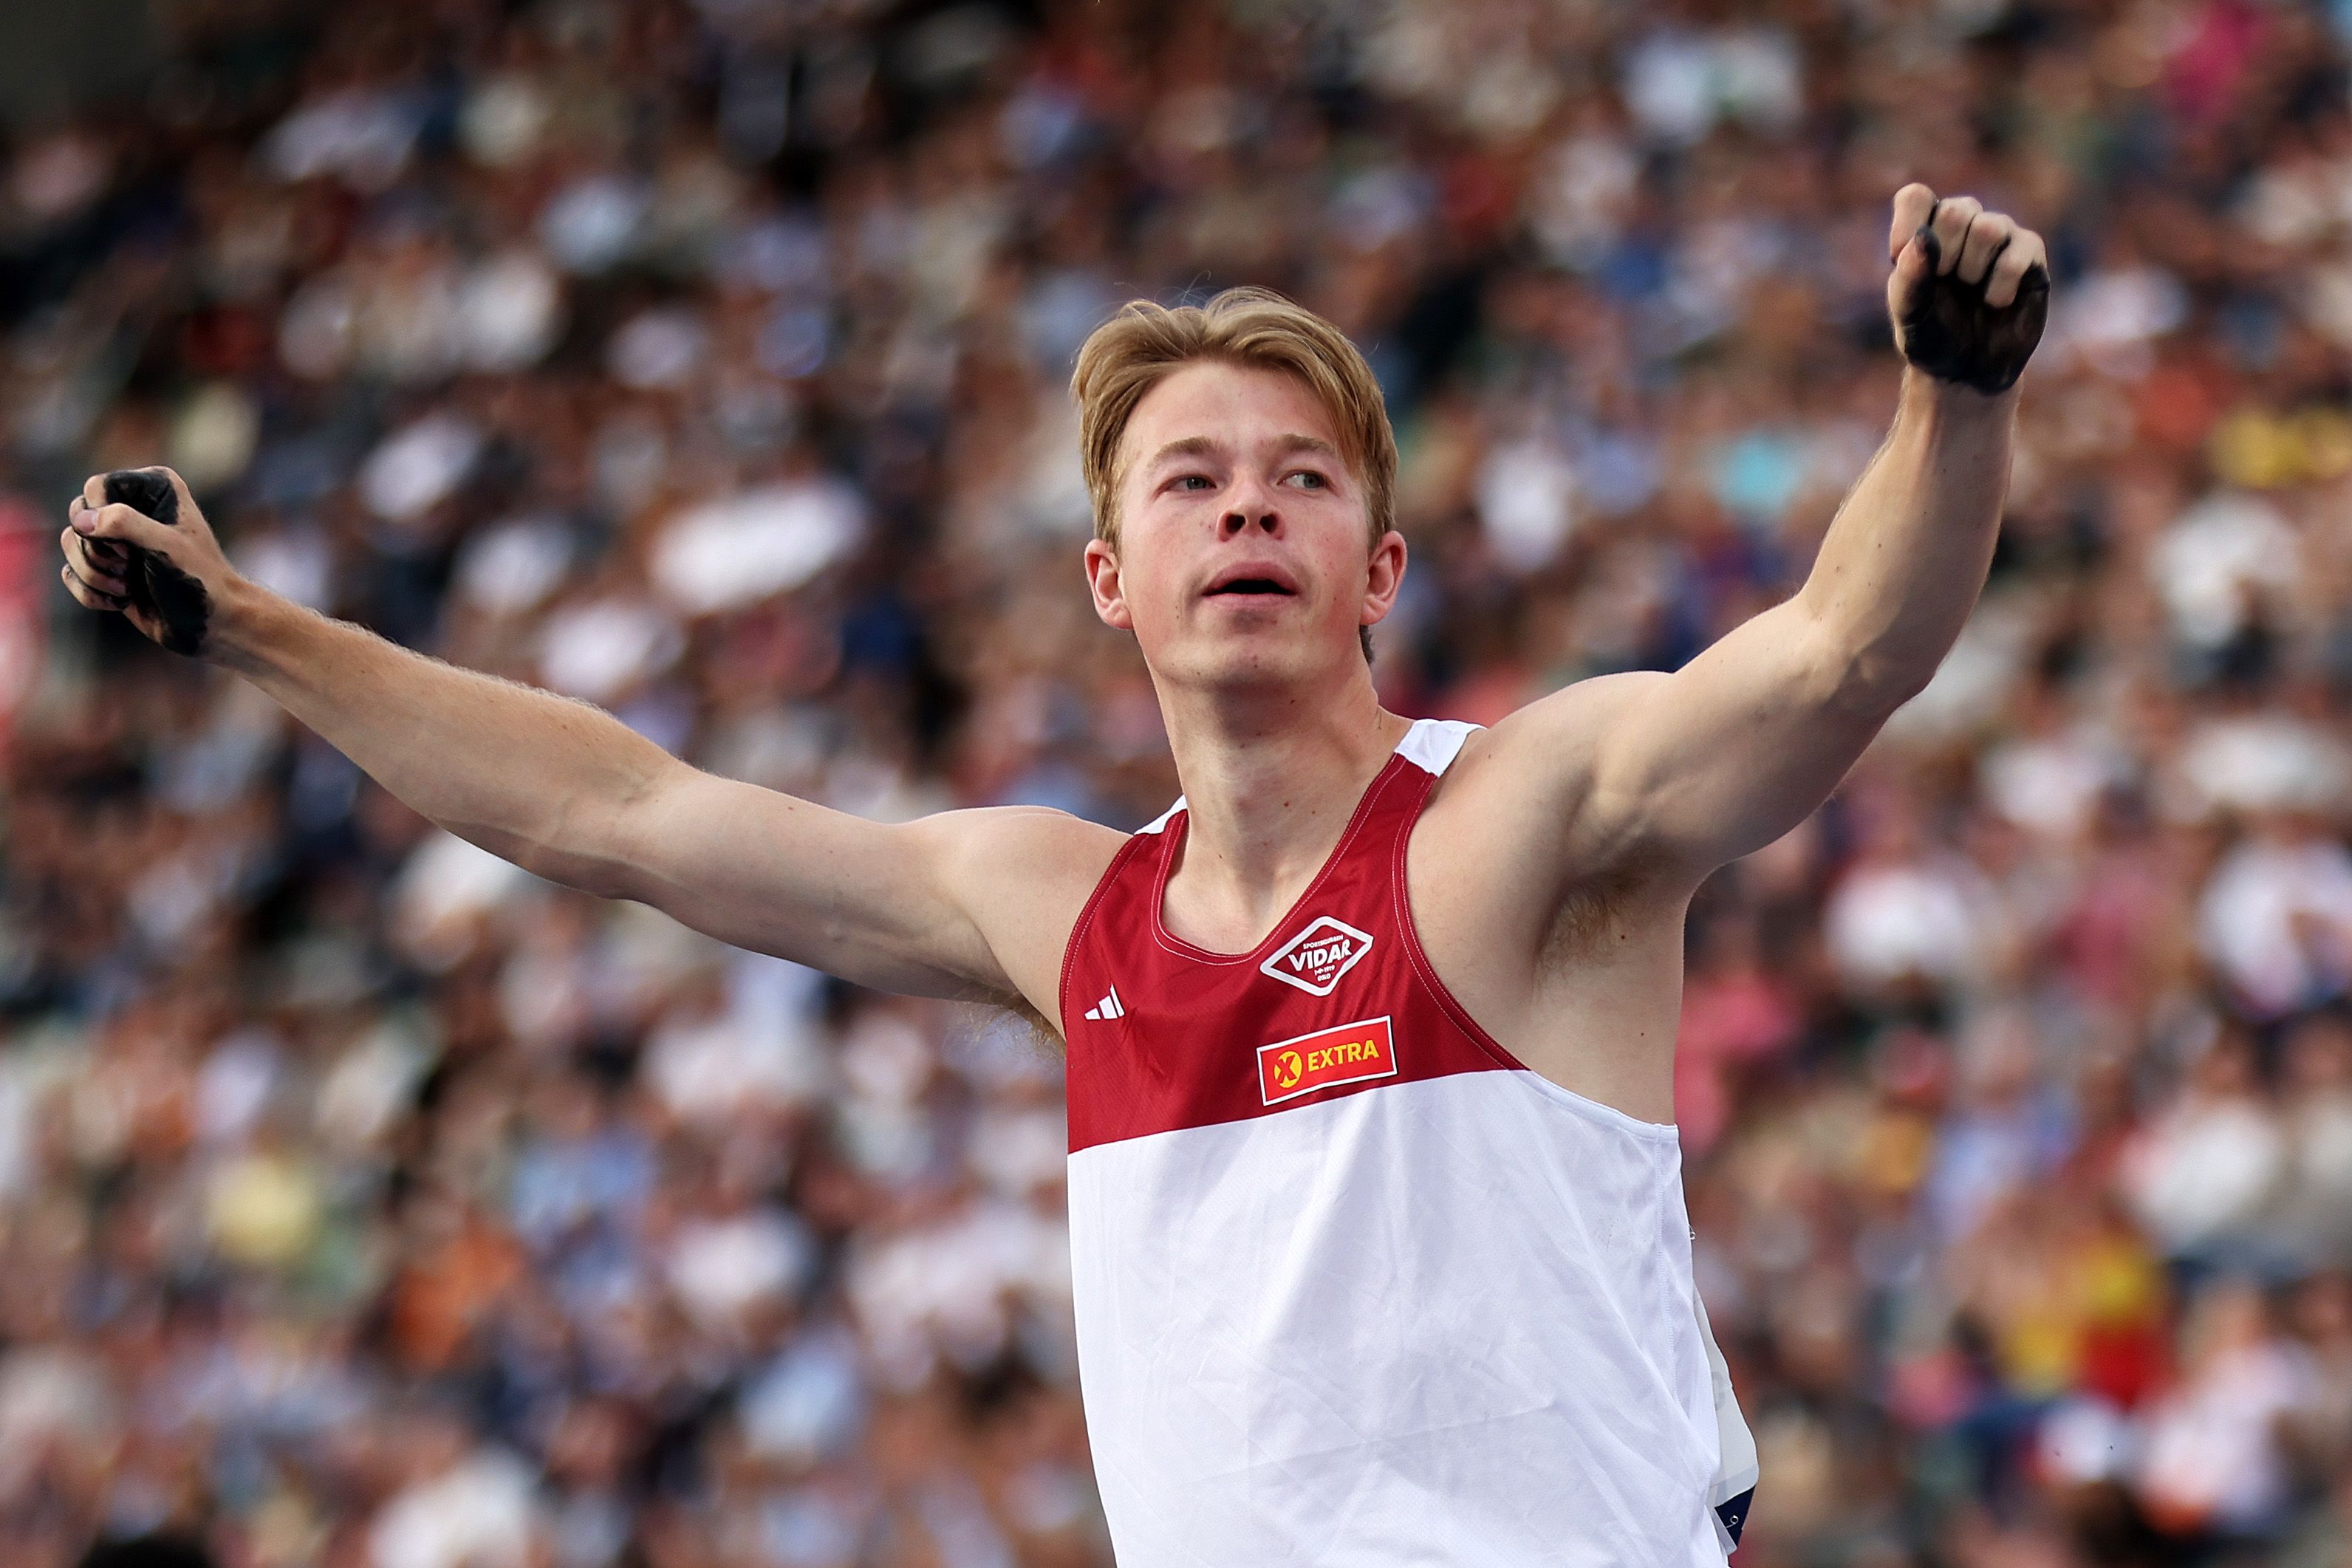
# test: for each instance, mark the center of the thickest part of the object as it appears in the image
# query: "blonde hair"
(1133, 352)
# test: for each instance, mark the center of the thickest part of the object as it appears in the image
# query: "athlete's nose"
(1252, 507)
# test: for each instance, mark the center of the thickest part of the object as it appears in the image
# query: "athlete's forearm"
(1906, 555)
(525, 774)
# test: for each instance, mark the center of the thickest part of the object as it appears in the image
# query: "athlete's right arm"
(967, 904)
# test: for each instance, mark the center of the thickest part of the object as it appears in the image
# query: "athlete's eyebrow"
(1183, 446)
(1202, 446)
(1314, 443)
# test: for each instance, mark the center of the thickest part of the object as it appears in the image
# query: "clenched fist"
(137, 543)
(1970, 290)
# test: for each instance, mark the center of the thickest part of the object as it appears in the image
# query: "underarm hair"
(1034, 1030)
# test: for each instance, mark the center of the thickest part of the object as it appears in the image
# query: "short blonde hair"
(1133, 352)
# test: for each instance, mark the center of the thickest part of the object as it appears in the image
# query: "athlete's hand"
(1971, 289)
(168, 578)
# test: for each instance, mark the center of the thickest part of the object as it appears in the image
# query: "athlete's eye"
(1187, 481)
(1310, 480)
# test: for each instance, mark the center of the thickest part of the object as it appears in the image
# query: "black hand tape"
(1952, 334)
(177, 601)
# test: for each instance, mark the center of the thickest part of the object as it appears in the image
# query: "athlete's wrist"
(254, 630)
(1942, 403)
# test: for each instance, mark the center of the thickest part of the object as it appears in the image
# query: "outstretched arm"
(1677, 774)
(969, 903)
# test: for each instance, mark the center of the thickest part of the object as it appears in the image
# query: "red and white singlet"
(1353, 1285)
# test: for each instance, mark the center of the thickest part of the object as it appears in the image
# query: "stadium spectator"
(370, 1202)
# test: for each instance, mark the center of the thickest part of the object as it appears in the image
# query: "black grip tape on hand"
(1952, 334)
(176, 600)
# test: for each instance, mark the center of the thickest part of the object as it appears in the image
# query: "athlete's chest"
(1206, 909)
(1166, 1033)
(1172, 1037)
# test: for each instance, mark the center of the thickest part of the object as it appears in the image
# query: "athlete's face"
(1241, 557)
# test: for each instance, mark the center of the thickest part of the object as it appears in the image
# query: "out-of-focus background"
(367, 1204)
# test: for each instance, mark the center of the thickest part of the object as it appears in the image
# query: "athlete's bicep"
(882, 904)
(1670, 776)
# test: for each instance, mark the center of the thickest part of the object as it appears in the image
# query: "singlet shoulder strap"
(1431, 744)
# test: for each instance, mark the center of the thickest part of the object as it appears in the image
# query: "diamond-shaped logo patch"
(1316, 958)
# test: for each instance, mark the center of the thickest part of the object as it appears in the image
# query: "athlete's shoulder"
(1547, 741)
(1021, 874)
(1039, 843)
(1529, 802)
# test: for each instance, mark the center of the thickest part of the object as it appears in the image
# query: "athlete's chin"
(1244, 664)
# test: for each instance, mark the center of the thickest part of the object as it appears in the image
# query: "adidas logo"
(1110, 1007)
(1316, 958)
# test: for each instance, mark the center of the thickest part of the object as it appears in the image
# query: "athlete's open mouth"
(1253, 578)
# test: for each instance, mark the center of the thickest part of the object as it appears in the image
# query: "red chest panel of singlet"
(1338, 1000)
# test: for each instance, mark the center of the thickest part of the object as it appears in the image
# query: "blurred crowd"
(366, 1203)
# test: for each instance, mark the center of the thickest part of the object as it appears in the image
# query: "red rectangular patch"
(1290, 1068)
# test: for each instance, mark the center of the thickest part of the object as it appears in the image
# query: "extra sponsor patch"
(1316, 958)
(1290, 1068)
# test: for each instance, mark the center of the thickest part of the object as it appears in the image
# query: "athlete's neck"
(1269, 781)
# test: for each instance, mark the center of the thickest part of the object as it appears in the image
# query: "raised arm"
(1679, 773)
(962, 905)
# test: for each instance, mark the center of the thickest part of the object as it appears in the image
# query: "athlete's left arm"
(1680, 773)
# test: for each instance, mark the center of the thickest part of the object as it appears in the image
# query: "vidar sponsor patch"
(1316, 958)
(1290, 1068)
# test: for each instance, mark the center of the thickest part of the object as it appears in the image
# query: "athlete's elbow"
(598, 875)
(1865, 679)
(1874, 685)
(609, 848)
(1865, 664)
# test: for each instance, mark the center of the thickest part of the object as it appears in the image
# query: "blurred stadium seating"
(365, 1202)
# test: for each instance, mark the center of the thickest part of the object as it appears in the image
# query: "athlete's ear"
(1387, 577)
(1103, 581)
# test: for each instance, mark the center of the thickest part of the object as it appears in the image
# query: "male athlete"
(1376, 1209)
